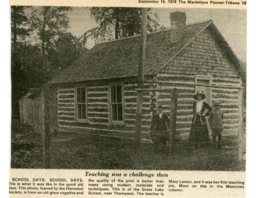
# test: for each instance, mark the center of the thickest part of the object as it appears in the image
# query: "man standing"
(159, 130)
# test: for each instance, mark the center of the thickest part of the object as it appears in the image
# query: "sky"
(232, 23)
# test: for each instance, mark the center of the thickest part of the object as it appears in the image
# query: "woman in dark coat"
(199, 130)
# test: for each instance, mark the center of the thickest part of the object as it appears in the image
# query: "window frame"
(86, 105)
(111, 120)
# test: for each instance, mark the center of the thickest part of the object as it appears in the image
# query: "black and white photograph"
(128, 88)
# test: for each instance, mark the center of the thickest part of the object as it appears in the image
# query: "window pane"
(114, 111)
(78, 95)
(83, 95)
(119, 94)
(113, 93)
(120, 112)
(81, 100)
(84, 111)
(79, 111)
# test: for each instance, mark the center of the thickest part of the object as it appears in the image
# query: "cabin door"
(207, 91)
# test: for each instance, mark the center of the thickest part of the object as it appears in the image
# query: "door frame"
(205, 77)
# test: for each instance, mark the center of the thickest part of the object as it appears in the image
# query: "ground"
(26, 147)
(88, 151)
(85, 151)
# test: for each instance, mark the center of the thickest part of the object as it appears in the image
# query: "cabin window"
(81, 103)
(116, 103)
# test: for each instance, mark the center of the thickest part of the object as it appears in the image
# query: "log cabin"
(97, 93)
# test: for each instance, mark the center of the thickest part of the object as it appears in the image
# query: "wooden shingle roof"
(120, 58)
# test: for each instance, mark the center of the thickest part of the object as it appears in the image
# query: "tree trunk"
(14, 30)
(173, 115)
(46, 126)
(43, 31)
(140, 80)
(117, 24)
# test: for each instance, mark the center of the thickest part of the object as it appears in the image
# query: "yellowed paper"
(82, 121)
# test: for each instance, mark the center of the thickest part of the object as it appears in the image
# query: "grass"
(26, 147)
(73, 151)
(88, 151)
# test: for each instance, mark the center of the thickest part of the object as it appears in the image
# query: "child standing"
(216, 124)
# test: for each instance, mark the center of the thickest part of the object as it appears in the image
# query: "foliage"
(48, 23)
(124, 22)
(19, 30)
(41, 46)
(67, 49)
(26, 147)
(26, 67)
(19, 21)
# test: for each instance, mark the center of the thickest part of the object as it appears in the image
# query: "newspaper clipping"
(138, 99)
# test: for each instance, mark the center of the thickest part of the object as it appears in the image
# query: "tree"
(124, 21)
(48, 23)
(27, 69)
(67, 49)
(45, 25)
(19, 21)
(19, 31)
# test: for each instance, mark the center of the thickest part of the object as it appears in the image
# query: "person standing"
(199, 130)
(159, 127)
(215, 120)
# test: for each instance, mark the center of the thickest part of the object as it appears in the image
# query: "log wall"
(98, 111)
(203, 57)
